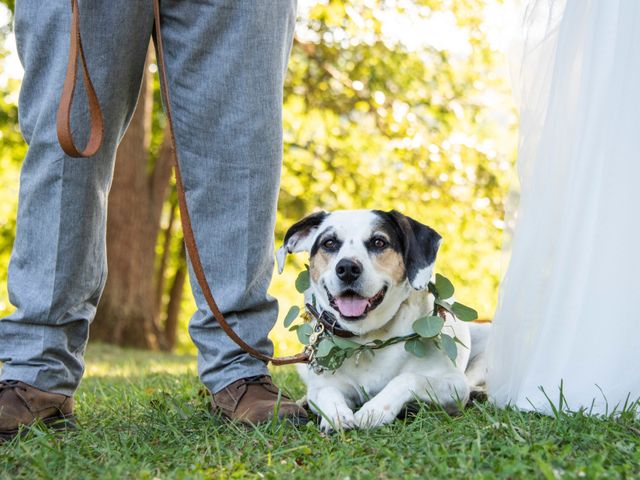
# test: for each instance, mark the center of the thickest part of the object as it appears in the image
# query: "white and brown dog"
(371, 270)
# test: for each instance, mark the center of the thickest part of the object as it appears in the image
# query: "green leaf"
(464, 313)
(459, 342)
(343, 343)
(446, 305)
(332, 361)
(304, 331)
(444, 287)
(428, 327)
(303, 282)
(546, 469)
(292, 314)
(416, 347)
(449, 346)
(324, 348)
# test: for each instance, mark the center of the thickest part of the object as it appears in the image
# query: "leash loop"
(63, 116)
(95, 141)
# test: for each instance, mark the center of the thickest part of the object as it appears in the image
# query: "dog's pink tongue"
(352, 306)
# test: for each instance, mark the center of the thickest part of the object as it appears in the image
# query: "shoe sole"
(57, 423)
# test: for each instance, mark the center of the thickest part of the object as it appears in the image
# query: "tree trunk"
(175, 300)
(127, 308)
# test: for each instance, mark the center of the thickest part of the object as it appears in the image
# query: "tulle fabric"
(569, 307)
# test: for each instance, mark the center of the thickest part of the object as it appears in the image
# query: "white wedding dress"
(569, 308)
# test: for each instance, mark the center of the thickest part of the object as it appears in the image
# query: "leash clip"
(317, 332)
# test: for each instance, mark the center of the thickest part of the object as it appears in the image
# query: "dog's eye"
(379, 243)
(330, 244)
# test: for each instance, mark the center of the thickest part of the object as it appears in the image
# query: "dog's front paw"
(341, 418)
(372, 415)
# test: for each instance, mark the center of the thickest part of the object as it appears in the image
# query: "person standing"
(226, 62)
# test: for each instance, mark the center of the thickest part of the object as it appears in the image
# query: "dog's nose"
(348, 271)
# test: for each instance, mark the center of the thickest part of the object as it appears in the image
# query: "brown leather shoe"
(22, 405)
(253, 400)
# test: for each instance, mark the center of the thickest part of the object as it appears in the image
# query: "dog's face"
(363, 263)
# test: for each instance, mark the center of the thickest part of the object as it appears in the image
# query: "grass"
(145, 415)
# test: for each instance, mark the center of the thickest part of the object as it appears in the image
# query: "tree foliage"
(373, 123)
(10, 4)
(12, 150)
(374, 118)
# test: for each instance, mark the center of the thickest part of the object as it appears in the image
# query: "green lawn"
(145, 416)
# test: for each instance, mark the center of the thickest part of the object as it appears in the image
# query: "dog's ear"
(420, 245)
(299, 238)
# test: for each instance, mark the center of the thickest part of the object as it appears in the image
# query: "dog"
(371, 270)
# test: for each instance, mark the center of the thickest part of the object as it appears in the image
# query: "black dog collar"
(329, 322)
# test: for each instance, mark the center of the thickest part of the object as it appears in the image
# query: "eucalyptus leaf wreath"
(327, 352)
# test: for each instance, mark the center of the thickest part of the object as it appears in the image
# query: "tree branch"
(159, 179)
(166, 245)
(175, 299)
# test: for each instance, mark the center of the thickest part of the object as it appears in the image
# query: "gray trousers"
(226, 61)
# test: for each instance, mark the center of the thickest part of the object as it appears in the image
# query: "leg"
(58, 266)
(446, 390)
(330, 403)
(476, 371)
(226, 62)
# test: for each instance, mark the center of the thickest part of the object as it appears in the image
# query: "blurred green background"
(388, 104)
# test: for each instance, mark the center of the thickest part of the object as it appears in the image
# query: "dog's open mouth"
(353, 306)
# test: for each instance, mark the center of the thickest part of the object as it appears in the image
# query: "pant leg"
(226, 61)
(58, 266)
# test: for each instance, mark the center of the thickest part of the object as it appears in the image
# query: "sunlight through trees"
(388, 104)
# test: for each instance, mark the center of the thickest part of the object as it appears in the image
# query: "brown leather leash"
(63, 121)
